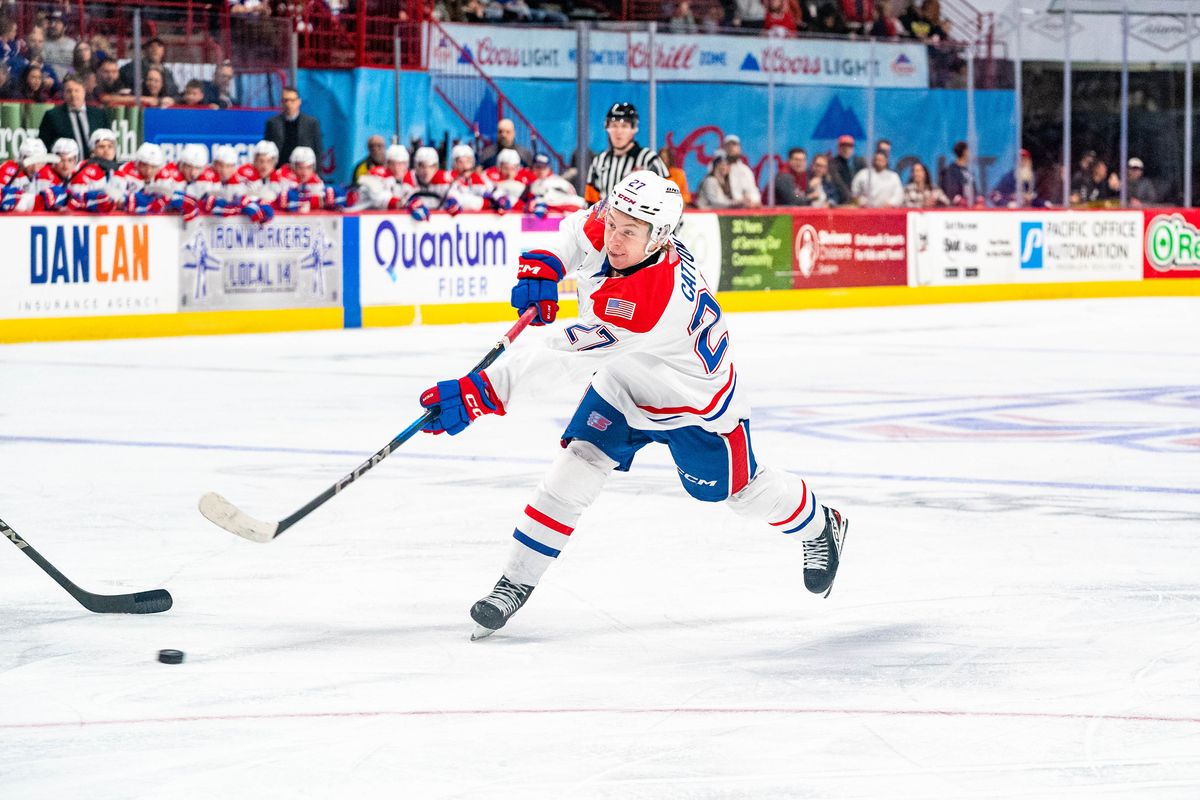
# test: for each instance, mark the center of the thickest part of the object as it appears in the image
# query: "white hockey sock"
(781, 500)
(571, 485)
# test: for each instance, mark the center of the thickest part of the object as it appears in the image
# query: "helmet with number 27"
(651, 198)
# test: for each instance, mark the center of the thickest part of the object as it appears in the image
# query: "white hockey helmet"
(426, 155)
(101, 135)
(194, 155)
(462, 151)
(149, 153)
(508, 156)
(32, 147)
(266, 147)
(65, 147)
(651, 198)
(225, 155)
(303, 155)
(396, 152)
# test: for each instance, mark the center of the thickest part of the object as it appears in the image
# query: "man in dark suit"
(291, 129)
(73, 119)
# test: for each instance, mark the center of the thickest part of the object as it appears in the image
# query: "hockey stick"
(221, 512)
(151, 602)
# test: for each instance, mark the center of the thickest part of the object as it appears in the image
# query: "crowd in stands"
(34, 67)
(890, 19)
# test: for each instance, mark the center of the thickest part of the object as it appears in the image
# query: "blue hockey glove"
(461, 402)
(538, 274)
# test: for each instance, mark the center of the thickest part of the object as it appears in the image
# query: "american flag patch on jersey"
(620, 308)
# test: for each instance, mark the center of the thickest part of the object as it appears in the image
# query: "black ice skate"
(493, 611)
(822, 554)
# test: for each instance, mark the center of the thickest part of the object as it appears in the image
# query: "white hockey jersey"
(655, 339)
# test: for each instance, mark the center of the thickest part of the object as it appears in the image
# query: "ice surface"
(1018, 613)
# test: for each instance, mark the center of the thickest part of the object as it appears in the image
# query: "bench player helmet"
(647, 196)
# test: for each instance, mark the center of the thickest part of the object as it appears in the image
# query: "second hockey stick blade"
(221, 512)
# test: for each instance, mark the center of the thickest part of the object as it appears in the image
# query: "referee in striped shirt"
(623, 156)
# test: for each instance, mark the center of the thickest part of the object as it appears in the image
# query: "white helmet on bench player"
(651, 198)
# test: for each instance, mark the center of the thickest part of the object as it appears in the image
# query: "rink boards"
(85, 277)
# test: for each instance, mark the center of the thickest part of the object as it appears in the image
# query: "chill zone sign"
(85, 253)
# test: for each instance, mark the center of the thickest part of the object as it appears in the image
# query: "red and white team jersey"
(266, 189)
(90, 177)
(381, 189)
(557, 193)
(523, 176)
(441, 186)
(312, 190)
(9, 170)
(232, 190)
(667, 358)
(470, 189)
(31, 188)
(127, 181)
(206, 184)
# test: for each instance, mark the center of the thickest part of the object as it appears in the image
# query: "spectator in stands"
(858, 14)
(10, 45)
(926, 23)
(101, 47)
(108, 84)
(83, 59)
(829, 21)
(844, 166)
(154, 89)
(958, 182)
(884, 25)
(741, 177)
(781, 18)
(791, 184)
(1083, 174)
(713, 19)
(73, 119)
(153, 53)
(506, 139)
(1099, 188)
(623, 156)
(291, 129)
(1141, 190)
(675, 174)
(9, 88)
(33, 86)
(682, 20)
(1016, 190)
(35, 42)
(219, 91)
(193, 96)
(716, 190)
(59, 49)
(822, 191)
(878, 187)
(376, 157)
(885, 146)
(253, 8)
(748, 14)
(921, 192)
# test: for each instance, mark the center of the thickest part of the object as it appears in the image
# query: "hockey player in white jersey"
(654, 340)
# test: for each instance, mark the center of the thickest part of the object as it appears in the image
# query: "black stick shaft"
(150, 602)
(404, 435)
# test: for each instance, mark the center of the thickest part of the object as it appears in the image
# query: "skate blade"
(481, 633)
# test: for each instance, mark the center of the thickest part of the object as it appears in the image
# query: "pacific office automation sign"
(294, 261)
(76, 266)
(469, 258)
(975, 247)
(510, 52)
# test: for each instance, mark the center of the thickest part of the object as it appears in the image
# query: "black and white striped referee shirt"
(609, 169)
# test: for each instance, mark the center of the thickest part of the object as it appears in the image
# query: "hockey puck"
(170, 656)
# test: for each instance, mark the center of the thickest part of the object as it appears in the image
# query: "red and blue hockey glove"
(451, 206)
(418, 210)
(538, 274)
(53, 198)
(295, 201)
(501, 202)
(540, 209)
(97, 201)
(460, 402)
(9, 197)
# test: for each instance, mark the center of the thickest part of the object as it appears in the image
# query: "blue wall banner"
(175, 127)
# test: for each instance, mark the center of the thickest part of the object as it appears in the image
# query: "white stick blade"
(221, 512)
